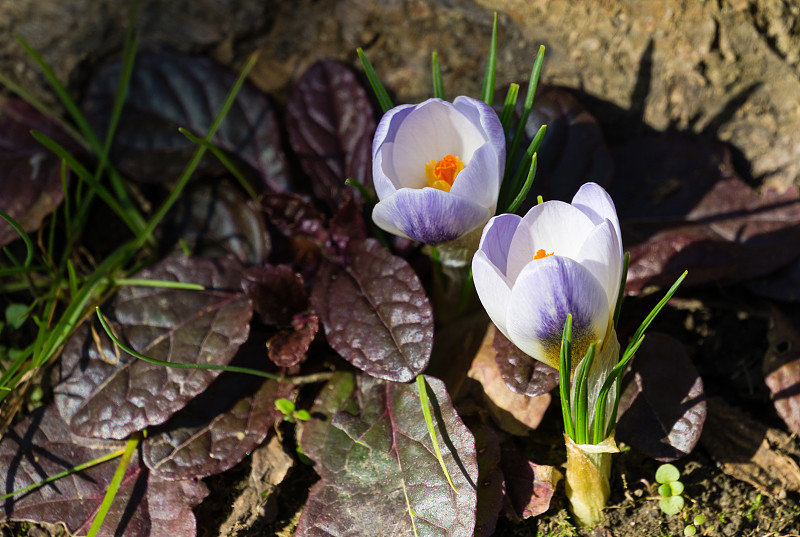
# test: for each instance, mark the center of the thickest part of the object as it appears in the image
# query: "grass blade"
(564, 372)
(438, 84)
(533, 82)
(582, 397)
(426, 412)
(508, 106)
(487, 92)
(523, 193)
(25, 238)
(380, 92)
(113, 487)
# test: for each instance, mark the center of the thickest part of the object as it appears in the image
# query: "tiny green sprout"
(667, 473)
(689, 530)
(16, 314)
(676, 488)
(302, 415)
(699, 519)
(671, 505)
(290, 414)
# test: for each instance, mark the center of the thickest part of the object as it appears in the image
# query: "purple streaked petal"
(544, 293)
(595, 203)
(496, 240)
(493, 289)
(600, 254)
(484, 115)
(428, 215)
(387, 127)
(480, 179)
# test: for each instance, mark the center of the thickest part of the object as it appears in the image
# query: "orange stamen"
(442, 174)
(541, 254)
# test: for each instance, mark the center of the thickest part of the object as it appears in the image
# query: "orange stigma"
(541, 254)
(443, 174)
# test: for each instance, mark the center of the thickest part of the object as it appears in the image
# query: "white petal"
(496, 241)
(600, 254)
(493, 289)
(594, 202)
(431, 131)
(428, 215)
(483, 115)
(383, 171)
(544, 293)
(555, 227)
(388, 125)
(480, 179)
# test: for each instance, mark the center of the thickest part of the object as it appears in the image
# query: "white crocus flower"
(559, 259)
(437, 168)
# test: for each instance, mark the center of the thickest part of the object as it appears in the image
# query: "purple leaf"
(288, 347)
(170, 90)
(217, 430)
(145, 506)
(331, 122)
(106, 393)
(490, 480)
(337, 394)
(663, 406)
(377, 465)
(782, 365)
(375, 313)
(521, 373)
(277, 292)
(215, 219)
(30, 175)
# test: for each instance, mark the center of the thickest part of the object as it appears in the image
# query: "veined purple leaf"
(215, 219)
(30, 175)
(521, 373)
(375, 312)
(145, 506)
(217, 429)
(663, 406)
(782, 365)
(288, 347)
(331, 122)
(106, 393)
(378, 467)
(338, 394)
(170, 90)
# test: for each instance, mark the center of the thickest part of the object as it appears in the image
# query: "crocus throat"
(541, 254)
(442, 174)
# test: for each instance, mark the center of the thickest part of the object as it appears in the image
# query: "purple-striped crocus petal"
(545, 292)
(600, 254)
(428, 215)
(496, 239)
(484, 115)
(479, 180)
(594, 202)
(493, 289)
(387, 127)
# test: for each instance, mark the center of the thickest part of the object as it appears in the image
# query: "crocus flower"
(437, 168)
(560, 258)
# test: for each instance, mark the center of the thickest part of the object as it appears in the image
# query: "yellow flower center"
(442, 174)
(541, 254)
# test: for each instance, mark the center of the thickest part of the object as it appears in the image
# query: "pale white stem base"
(588, 471)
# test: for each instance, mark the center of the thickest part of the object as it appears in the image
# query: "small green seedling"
(671, 488)
(289, 412)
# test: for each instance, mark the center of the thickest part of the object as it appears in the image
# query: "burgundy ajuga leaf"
(277, 292)
(347, 224)
(217, 429)
(145, 506)
(521, 373)
(30, 175)
(289, 346)
(683, 207)
(529, 486)
(378, 467)
(375, 312)
(170, 90)
(215, 219)
(331, 122)
(573, 151)
(663, 406)
(338, 394)
(106, 393)
(782, 365)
